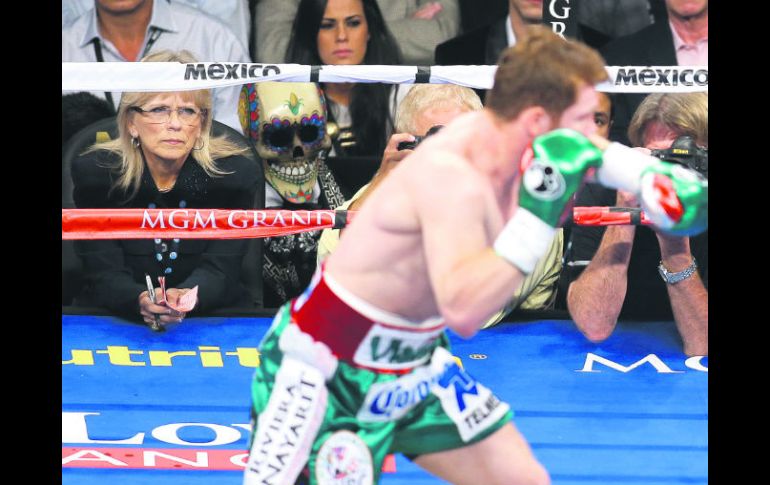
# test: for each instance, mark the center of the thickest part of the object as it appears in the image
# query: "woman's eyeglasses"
(162, 114)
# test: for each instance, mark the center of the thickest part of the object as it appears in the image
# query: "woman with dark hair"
(349, 32)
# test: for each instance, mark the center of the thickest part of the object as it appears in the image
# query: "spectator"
(612, 272)
(423, 108)
(540, 288)
(234, 13)
(417, 26)
(603, 118)
(476, 13)
(164, 157)
(484, 45)
(79, 110)
(681, 41)
(604, 114)
(349, 32)
(615, 18)
(119, 31)
(290, 138)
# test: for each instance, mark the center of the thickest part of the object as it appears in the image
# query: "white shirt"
(695, 54)
(182, 27)
(509, 31)
(234, 13)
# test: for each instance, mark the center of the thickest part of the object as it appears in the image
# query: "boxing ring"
(173, 407)
(140, 407)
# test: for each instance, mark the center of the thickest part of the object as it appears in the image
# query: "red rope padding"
(189, 223)
(608, 216)
(241, 224)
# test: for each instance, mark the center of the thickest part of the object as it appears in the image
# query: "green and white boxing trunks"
(342, 384)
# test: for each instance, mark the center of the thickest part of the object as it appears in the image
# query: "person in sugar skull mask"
(287, 123)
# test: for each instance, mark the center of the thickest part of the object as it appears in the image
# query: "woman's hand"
(174, 295)
(150, 310)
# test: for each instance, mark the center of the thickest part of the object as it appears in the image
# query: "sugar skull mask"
(287, 122)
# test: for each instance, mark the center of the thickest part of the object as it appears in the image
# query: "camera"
(411, 145)
(685, 152)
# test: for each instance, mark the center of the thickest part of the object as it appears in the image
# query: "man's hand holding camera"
(400, 146)
(393, 153)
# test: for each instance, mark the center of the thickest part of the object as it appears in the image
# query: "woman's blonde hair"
(131, 165)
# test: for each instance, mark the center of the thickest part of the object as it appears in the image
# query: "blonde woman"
(164, 157)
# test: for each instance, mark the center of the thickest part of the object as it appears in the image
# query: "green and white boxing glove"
(561, 159)
(674, 197)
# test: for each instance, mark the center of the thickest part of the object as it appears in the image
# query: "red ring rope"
(240, 224)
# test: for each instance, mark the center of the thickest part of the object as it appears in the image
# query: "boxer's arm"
(470, 281)
(473, 281)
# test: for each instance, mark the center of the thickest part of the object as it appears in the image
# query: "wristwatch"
(672, 278)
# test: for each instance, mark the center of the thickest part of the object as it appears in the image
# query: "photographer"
(422, 112)
(634, 272)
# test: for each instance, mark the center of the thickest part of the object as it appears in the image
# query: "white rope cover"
(173, 76)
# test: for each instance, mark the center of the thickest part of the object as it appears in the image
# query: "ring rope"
(174, 76)
(243, 224)
(194, 223)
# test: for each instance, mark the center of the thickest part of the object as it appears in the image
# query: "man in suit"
(681, 40)
(484, 45)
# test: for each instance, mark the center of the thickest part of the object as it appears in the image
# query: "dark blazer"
(114, 269)
(651, 46)
(483, 46)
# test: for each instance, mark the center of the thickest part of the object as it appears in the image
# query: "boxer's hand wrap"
(524, 240)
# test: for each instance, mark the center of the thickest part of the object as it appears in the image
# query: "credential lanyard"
(154, 35)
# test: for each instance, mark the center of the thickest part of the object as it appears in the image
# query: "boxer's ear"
(536, 121)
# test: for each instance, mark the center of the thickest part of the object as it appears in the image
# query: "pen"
(156, 326)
